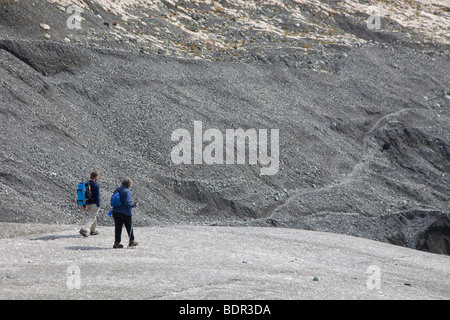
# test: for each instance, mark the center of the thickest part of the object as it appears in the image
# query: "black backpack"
(89, 196)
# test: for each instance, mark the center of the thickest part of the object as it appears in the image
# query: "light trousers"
(90, 222)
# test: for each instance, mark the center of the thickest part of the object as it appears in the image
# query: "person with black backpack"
(92, 206)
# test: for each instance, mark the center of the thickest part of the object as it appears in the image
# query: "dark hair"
(127, 182)
(94, 175)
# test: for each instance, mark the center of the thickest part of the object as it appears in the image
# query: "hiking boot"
(133, 243)
(117, 245)
(84, 232)
(95, 233)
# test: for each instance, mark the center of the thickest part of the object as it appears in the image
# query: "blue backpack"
(115, 199)
(84, 193)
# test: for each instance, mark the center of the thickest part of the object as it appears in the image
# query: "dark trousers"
(119, 220)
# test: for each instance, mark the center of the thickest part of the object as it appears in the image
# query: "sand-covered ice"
(189, 262)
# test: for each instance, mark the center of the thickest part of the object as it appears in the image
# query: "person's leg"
(129, 226)
(87, 221)
(118, 224)
(93, 213)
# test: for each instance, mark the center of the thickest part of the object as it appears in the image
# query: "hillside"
(363, 115)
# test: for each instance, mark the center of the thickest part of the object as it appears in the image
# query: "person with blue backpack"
(91, 204)
(122, 213)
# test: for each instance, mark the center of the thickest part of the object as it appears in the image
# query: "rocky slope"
(363, 114)
(230, 30)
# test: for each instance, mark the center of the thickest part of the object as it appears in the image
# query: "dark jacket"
(125, 198)
(95, 189)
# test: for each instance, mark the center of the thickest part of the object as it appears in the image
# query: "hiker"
(123, 214)
(89, 227)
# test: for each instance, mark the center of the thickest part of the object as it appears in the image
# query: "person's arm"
(127, 201)
(97, 194)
